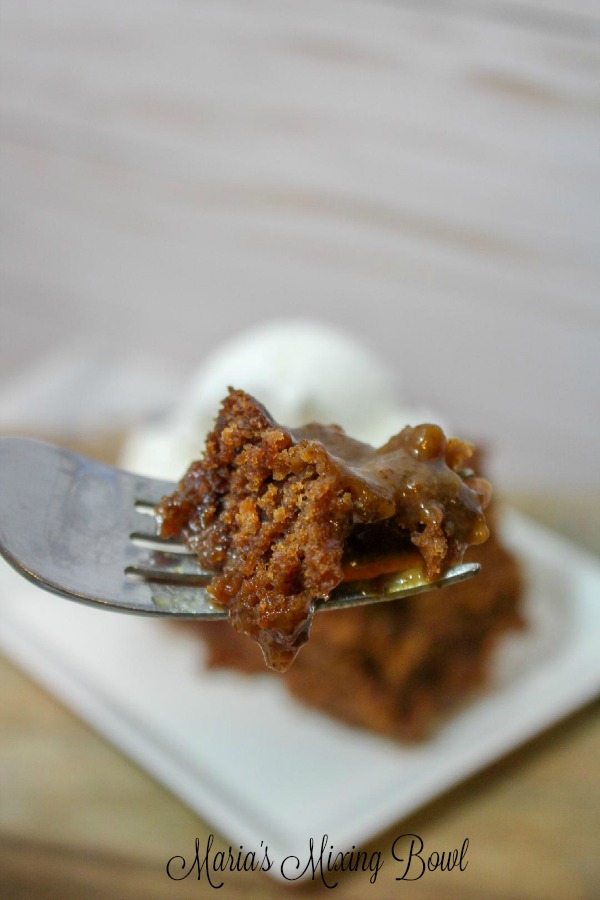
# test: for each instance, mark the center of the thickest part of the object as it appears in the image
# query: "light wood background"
(427, 174)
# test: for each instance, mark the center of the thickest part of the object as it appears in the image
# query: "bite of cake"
(282, 516)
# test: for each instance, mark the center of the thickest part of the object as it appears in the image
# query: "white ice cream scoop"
(301, 371)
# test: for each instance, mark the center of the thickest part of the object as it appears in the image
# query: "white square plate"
(257, 765)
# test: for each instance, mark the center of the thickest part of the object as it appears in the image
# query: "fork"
(87, 531)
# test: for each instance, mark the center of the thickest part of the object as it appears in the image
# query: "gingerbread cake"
(396, 668)
(282, 516)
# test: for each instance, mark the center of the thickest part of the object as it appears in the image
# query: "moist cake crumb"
(282, 516)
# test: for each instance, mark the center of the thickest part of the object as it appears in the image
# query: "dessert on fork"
(283, 516)
(393, 667)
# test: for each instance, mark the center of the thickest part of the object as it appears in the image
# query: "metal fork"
(85, 531)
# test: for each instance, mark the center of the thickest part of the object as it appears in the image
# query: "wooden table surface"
(79, 819)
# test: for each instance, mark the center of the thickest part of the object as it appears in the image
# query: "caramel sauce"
(372, 566)
(274, 512)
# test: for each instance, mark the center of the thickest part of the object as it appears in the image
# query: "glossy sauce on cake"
(281, 515)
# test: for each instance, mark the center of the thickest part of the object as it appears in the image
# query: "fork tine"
(167, 576)
(65, 522)
(159, 562)
(156, 542)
